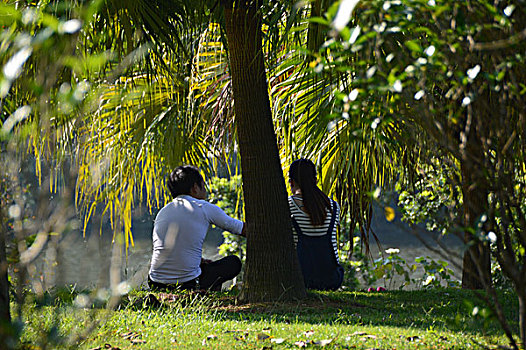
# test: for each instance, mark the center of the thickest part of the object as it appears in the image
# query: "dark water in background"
(85, 261)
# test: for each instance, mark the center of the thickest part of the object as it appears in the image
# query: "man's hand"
(205, 261)
(244, 230)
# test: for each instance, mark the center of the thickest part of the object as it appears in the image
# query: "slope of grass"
(432, 319)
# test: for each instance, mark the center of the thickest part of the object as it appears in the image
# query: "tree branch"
(499, 44)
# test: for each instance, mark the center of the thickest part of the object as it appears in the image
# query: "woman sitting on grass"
(314, 218)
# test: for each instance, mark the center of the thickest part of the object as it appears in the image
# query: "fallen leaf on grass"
(359, 333)
(263, 336)
(133, 337)
(301, 344)
(151, 300)
(108, 346)
(168, 297)
(234, 331)
(127, 335)
(368, 336)
(322, 342)
(240, 337)
(413, 338)
(209, 337)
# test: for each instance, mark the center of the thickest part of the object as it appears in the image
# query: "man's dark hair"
(183, 178)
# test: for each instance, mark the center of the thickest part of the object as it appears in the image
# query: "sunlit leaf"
(389, 214)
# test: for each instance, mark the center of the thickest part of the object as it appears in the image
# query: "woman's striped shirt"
(303, 220)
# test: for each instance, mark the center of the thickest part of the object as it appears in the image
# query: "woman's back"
(317, 246)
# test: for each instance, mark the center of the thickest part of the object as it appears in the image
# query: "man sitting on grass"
(178, 234)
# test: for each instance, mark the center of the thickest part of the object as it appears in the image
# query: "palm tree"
(268, 276)
(310, 98)
(175, 123)
(259, 160)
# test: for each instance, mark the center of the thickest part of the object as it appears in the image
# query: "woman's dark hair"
(315, 202)
(183, 178)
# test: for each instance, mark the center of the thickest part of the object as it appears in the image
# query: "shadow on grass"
(438, 309)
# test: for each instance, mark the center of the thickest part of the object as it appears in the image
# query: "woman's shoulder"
(334, 203)
(297, 208)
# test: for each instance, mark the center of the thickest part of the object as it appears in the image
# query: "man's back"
(179, 231)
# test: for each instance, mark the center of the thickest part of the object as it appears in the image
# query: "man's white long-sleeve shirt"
(178, 234)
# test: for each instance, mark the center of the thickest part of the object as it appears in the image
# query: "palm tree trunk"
(314, 35)
(272, 269)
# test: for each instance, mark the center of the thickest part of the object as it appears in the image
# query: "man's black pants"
(213, 274)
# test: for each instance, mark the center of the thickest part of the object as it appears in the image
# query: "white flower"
(410, 69)
(392, 251)
(419, 95)
(430, 50)
(492, 237)
(421, 61)
(466, 101)
(397, 86)
(428, 280)
(473, 72)
(475, 311)
(353, 95)
(509, 10)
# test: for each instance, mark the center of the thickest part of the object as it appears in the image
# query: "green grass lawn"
(430, 319)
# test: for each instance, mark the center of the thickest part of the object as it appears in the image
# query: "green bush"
(227, 194)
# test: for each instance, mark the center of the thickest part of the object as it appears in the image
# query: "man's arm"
(218, 217)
